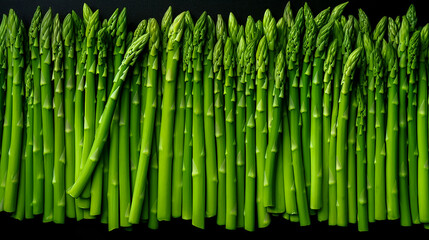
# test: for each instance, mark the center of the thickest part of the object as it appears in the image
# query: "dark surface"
(178, 229)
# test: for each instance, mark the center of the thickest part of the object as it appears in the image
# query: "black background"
(176, 228)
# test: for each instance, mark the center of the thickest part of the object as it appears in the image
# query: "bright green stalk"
(3, 69)
(90, 91)
(328, 90)
(59, 127)
(411, 16)
(187, 151)
(151, 103)
(362, 205)
(97, 180)
(231, 187)
(316, 117)
(167, 120)
(69, 94)
(292, 56)
(240, 133)
(178, 141)
(261, 129)
(79, 96)
(28, 154)
(272, 145)
(47, 112)
(410, 167)
(7, 119)
(308, 46)
(135, 108)
(405, 155)
(422, 130)
(370, 133)
(13, 170)
(351, 165)
(219, 115)
(343, 115)
(250, 184)
(322, 18)
(380, 132)
(38, 174)
(209, 127)
(198, 150)
(393, 125)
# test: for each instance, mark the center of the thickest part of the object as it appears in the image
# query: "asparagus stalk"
(412, 163)
(316, 122)
(7, 118)
(249, 208)
(97, 180)
(308, 46)
(69, 94)
(79, 96)
(38, 174)
(261, 129)
(135, 107)
(292, 57)
(343, 113)
(198, 150)
(209, 125)
(149, 121)
(3, 69)
(328, 90)
(59, 124)
(231, 187)
(26, 181)
(167, 120)
(15, 154)
(219, 115)
(422, 128)
(187, 151)
(370, 129)
(362, 206)
(47, 112)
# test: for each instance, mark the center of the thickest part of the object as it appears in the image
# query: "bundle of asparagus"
(299, 117)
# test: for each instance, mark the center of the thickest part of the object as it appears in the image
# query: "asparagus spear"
(97, 179)
(422, 126)
(362, 205)
(3, 69)
(261, 129)
(149, 121)
(292, 57)
(38, 173)
(167, 120)
(316, 123)
(69, 94)
(231, 187)
(13, 169)
(187, 150)
(26, 181)
(219, 115)
(412, 163)
(135, 107)
(198, 151)
(328, 88)
(80, 46)
(59, 125)
(343, 113)
(249, 208)
(7, 118)
(209, 126)
(47, 112)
